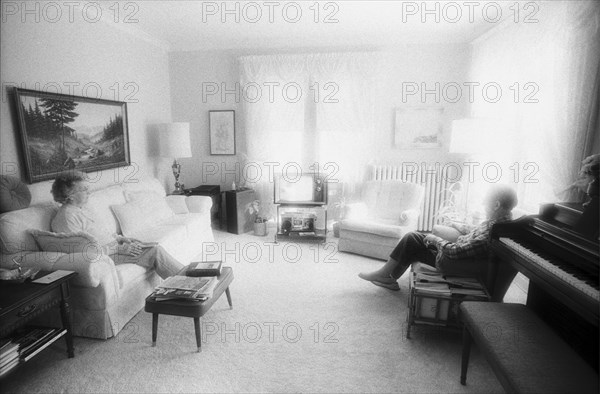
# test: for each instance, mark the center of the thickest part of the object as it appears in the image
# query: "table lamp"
(174, 141)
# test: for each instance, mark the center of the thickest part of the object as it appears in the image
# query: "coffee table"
(193, 309)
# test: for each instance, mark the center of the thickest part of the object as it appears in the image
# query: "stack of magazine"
(185, 288)
(24, 344)
(430, 279)
(9, 355)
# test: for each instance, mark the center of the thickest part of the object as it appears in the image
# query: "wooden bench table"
(193, 309)
(524, 353)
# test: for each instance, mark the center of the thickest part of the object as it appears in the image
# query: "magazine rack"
(431, 307)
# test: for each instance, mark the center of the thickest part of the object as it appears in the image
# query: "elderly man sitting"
(431, 249)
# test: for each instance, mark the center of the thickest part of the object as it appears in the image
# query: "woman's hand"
(129, 249)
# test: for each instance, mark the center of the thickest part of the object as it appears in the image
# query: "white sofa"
(388, 210)
(105, 296)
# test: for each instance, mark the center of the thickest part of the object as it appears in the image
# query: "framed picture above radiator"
(62, 132)
(418, 127)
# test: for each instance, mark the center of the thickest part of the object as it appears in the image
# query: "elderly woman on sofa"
(70, 190)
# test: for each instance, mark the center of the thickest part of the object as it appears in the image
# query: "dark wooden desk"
(20, 303)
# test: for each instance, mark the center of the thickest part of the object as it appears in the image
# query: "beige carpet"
(302, 321)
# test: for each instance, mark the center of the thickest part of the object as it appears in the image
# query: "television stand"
(301, 222)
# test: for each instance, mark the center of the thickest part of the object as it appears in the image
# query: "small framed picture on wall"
(221, 126)
(418, 127)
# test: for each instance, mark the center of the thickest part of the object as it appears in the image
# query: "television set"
(309, 189)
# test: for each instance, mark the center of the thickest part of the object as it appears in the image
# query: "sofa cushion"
(142, 213)
(389, 199)
(145, 185)
(153, 202)
(15, 225)
(80, 242)
(373, 227)
(99, 204)
(194, 222)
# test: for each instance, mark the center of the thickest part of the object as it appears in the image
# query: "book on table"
(205, 268)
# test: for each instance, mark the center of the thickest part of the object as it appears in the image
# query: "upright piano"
(558, 251)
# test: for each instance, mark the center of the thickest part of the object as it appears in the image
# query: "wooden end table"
(20, 303)
(193, 309)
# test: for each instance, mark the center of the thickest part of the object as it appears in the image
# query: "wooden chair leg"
(154, 328)
(466, 351)
(228, 294)
(198, 333)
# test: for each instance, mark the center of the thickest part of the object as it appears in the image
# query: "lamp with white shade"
(174, 141)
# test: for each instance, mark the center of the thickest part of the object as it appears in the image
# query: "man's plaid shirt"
(474, 244)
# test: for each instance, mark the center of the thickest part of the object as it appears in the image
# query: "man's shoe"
(392, 286)
(372, 276)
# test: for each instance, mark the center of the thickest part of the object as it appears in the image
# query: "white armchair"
(373, 227)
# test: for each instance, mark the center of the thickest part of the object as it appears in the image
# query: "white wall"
(45, 55)
(189, 71)
(429, 64)
(423, 66)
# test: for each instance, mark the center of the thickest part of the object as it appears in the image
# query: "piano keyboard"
(571, 278)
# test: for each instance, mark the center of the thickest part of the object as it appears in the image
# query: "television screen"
(303, 189)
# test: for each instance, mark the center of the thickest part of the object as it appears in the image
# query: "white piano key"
(554, 269)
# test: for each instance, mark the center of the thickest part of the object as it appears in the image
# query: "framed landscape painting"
(63, 132)
(222, 132)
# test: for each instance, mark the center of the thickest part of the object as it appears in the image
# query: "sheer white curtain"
(546, 71)
(345, 112)
(315, 110)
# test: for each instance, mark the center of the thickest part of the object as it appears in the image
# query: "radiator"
(436, 180)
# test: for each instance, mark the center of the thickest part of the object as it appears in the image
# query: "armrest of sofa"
(177, 203)
(91, 270)
(198, 204)
(356, 211)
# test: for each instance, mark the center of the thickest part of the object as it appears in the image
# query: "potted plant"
(260, 217)
(260, 226)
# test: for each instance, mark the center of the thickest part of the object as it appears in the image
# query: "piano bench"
(524, 353)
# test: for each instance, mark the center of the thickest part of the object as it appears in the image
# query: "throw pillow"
(154, 204)
(141, 213)
(99, 203)
(130, 217)
(14, 194)
(79, 242)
